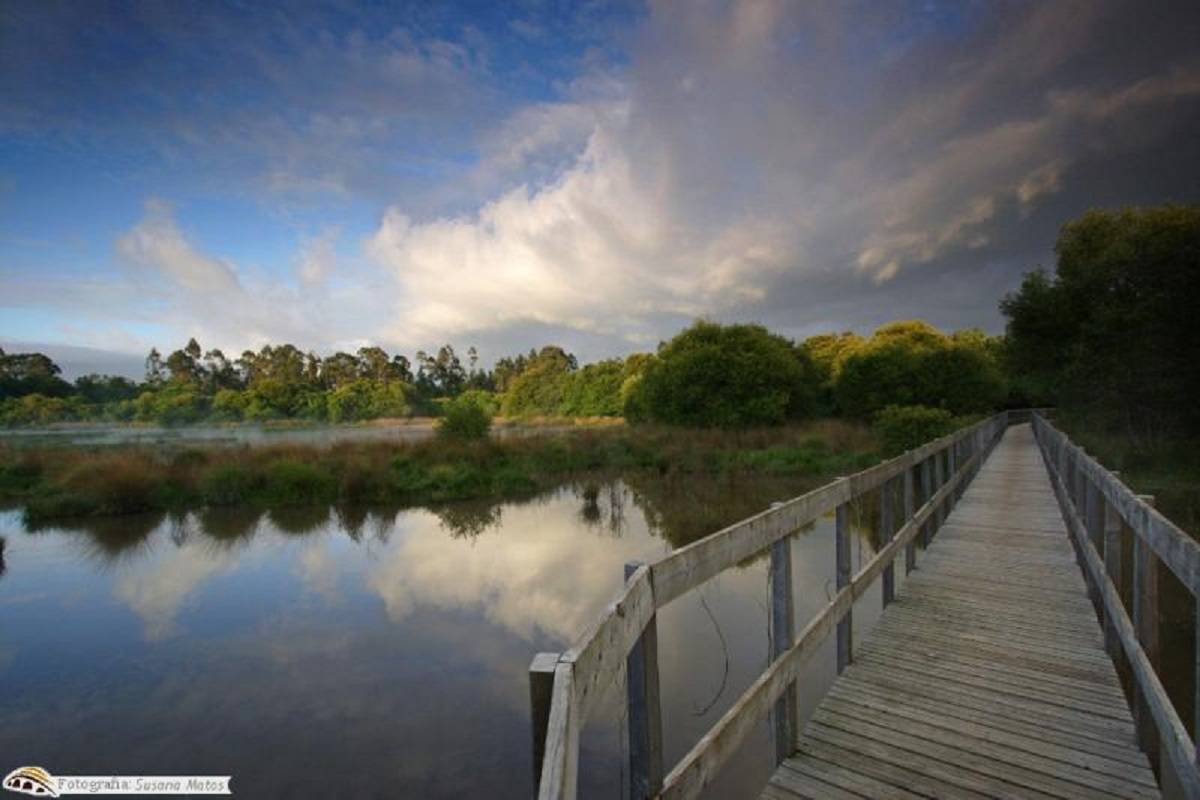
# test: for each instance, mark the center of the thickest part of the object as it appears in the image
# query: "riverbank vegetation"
(63, 482)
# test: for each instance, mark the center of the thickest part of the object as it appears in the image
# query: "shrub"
(464, 418)
(727, 376)
(901, 428)
(298, 483)
(227, 485)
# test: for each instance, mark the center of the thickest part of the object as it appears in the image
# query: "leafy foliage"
(465, 417)
(902, 428)
(1114, 332)
(731, 376)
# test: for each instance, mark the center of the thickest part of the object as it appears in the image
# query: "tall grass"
(69, 482)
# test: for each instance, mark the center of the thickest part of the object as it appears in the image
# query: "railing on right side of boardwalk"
(566, 687)
(1097, 505)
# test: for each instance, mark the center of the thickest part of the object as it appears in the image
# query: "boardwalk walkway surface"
(987, 677)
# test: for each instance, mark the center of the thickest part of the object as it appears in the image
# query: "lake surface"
(375, 652)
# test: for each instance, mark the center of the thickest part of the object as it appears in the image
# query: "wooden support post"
(1093, 520)
(910, 552)
(1112, 565)
(782, 635)
(644, 710)
(926, 493)
(936, 516)
(1145, 623)
(886, 531)
(845, 628)
(541, 689)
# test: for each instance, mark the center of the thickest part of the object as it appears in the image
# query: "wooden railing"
(1096, 505)
(566, 687)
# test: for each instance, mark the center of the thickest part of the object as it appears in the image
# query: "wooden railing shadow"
(1096, 505)
(566, 687)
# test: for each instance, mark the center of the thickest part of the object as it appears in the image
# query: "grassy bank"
(55, 483)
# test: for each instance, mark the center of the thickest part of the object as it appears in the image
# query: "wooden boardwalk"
(987, 677)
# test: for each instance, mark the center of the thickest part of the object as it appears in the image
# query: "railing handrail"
(1088, 493)
(580, 674)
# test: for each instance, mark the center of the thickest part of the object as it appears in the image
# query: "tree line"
(1111, 333)
(709, 375)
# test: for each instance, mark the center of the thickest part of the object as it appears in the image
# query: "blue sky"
(595, 174)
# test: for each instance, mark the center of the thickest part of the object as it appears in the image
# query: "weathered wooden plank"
(781, 633)
(997, 763)
(807, 786)
(943, 767)
(849, 780)
(988, 701)
(1033, 728)
(1082, 768)
(560, 763)
(541, 690)
(845, 628)
(889, 766)
(600, 657)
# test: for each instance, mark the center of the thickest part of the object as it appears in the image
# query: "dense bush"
(728, 376)
(913, 363)
(901, 428)
(464, 417)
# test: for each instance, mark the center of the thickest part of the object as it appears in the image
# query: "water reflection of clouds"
(539, 573)
(160, 584)
(318, 568)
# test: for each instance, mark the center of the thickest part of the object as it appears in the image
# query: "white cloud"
(156, 242)
(317, 257)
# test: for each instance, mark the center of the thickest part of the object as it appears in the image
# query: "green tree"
(731, 376)
(1114, 332)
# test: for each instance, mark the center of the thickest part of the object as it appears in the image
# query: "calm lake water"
(375, 652)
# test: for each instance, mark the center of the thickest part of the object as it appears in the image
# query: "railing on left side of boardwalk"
(566, 687)
(1096, 506)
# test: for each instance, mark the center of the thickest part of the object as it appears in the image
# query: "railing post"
(886, 531)
(645, 710)
(782, 634)
(910, 552)
(926, 493)
(1112, 565)
(845, 628)
(1093, 520)
(1145, 623)
(936, 516)
(541, 690)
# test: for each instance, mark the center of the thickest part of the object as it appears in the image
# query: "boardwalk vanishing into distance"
(987, 677)
(992, 672)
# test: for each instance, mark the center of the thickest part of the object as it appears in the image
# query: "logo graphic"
(31, 780)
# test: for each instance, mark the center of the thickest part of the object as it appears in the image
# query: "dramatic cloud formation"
(598, 177)
(735, 164)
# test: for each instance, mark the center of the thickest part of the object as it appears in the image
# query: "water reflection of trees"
(468, 519)
(299, 520)
(3, 565)
(684, 508)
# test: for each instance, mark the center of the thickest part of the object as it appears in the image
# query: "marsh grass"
(59, 482)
